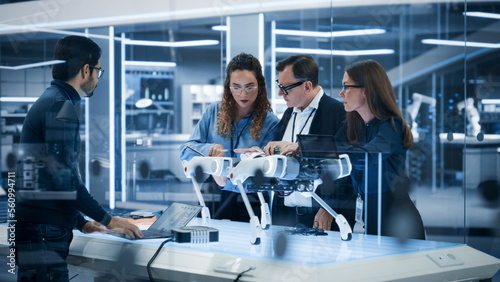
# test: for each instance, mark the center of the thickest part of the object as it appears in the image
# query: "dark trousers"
(400, 218)
(41, 252)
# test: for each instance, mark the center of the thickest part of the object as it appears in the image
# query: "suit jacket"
(327, 120)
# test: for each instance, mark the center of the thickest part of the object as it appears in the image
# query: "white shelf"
(195, 100)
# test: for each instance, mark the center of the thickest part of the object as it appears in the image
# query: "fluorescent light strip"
(482, 15)
(336, 52)
(460, 43)
(191, 43)
(490, 101)
(112, 170)
(329, 34)
(34, 65)
(150, 64)
(18, 99)
(220, 28)
(261, 39)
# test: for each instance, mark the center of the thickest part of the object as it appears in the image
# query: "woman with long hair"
(242, 119)
(374, 125)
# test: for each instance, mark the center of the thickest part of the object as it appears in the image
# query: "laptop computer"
(316, 146)
(177, 215)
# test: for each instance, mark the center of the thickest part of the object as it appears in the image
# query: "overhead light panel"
(34, 65)
(490, 101)
(191, 43)
(18, 99)
(482, 15)
(220, 28)
(336, 52)
(150, 64)
(460, 43)
(329, 34)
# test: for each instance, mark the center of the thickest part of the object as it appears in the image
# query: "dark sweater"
(51, 135)
(378, 136)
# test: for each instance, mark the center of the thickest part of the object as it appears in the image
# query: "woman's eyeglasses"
(238, 91)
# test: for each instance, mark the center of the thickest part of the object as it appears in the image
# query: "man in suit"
(310, 111)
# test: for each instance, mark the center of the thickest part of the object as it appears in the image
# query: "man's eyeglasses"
(286, 88)
(100, 71)
(249, 90)
(347, 86)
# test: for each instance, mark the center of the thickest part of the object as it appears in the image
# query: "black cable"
(241, 274)
(148, 267)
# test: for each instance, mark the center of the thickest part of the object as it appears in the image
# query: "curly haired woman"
(242, 119)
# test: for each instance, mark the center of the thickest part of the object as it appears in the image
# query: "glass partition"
(442, 58)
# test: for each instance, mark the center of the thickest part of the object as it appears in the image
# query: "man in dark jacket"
(51, 195)
(310, 111)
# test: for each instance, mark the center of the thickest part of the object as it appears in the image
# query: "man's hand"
(286, 148)
(217, 150)
(93, 226)
(323, 220)
(124, 227)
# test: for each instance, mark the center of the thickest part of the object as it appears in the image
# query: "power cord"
(148, 267)
(241, 274)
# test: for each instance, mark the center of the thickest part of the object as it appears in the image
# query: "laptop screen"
(315, 146)
(175, 216)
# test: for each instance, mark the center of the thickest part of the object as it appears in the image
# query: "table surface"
(276, 244)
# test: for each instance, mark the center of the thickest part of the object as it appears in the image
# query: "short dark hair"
(77, 51)
(304, 68)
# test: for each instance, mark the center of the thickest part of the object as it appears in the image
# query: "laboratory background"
(165, 63)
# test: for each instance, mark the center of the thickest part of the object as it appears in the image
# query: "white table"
(279, 257)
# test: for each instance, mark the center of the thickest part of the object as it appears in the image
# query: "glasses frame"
(100, 71)
(246, 90)
(285, 89)
(346, 86)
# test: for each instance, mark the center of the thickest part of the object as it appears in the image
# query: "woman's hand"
(217, 150)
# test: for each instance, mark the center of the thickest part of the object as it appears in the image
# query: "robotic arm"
(198, 169)
(473, 127)
(413, 108)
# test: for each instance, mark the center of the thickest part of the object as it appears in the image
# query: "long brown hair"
(261, 106)
(379, 96)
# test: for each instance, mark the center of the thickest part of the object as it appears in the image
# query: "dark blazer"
(327, 120)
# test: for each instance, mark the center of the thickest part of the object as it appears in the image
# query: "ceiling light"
(191, 43)
(329, 33)
(220, 27)
(461, 43)
(34, 65)
(336, 52)
(18, 99)
(482, 15)
(150, 64)
(490, 101)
